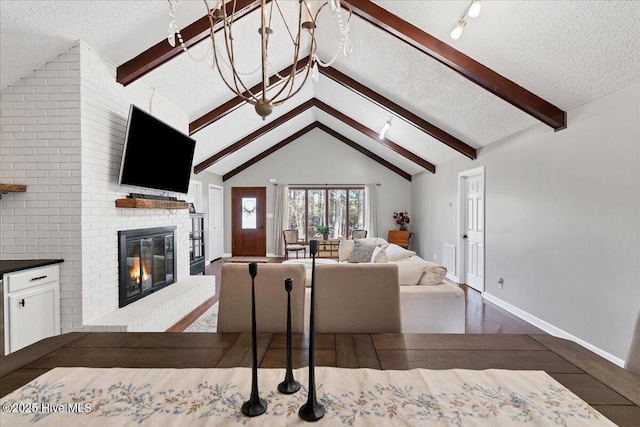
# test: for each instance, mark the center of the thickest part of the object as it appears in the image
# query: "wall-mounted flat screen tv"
(155, 154)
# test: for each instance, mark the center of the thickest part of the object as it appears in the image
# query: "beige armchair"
(357, 298)
(234, 312)
(292, 243)
(359, 234)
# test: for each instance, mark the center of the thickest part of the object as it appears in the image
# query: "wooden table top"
(607, 387)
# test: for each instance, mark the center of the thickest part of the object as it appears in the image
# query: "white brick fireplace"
(62, 134)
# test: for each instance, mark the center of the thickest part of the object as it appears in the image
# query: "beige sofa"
(429, 304)
(234, 312)
(357, 298)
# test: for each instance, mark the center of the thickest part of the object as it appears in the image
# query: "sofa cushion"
(433, 274)
(346, 246)
(361, 252)
(379, 255)
(357, 298)
(234, 311)
(344, 250)
(397, 253)
(409, 272)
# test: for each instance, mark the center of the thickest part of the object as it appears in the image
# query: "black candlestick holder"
(312, 410)
(289, 385)
(254, 406)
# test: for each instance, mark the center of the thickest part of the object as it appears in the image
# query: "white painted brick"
(18, 97)
(47, 89)
(24, 89)
(46, 73)
(85, 122)
(57, 66)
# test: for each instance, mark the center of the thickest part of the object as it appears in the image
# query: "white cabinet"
(31, 306)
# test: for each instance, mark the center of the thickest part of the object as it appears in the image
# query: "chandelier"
(223, 53)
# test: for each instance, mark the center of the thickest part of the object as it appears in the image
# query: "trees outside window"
(342, 209)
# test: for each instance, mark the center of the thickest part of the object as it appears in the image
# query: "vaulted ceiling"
(518, 64)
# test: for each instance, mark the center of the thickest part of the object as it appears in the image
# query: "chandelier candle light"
(301, 32)
(402, 219)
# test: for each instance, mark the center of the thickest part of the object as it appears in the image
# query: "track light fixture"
(472, 11)
(459, 28)
(384, 129)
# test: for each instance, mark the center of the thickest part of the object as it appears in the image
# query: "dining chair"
(292, 243)
(234, 310)
(357, 298)
(359, 234)
(632, 363)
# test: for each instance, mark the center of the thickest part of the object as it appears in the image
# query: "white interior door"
(216, 235)
(472, 243)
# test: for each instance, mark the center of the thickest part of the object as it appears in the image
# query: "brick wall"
(62, 134)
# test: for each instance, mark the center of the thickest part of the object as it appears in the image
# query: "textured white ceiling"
(567, 52)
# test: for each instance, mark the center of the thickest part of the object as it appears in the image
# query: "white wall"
(62, 134)
(318, 158)
(207, 178)
(562, 220)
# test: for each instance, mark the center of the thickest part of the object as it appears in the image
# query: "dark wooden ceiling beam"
(403, 113)
(269, 151)
(162, 51)
(253, 136)
(374, 135)
(461, 63)
(366, 152)
(329, 131)
(234, 103)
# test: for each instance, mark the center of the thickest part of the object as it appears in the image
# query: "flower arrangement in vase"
(402, 219)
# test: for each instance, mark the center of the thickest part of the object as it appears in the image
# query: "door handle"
(21, 302)
(464, 237)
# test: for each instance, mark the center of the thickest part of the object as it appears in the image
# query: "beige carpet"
(207, 322)
(355, 397)
(247, 259)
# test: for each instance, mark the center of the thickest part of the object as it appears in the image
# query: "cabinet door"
(32, 316)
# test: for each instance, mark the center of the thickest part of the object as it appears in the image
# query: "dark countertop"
(10, 265)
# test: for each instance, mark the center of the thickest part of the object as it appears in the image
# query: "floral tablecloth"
(353, 397)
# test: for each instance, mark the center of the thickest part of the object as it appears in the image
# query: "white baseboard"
(551, 329)
(452, 277)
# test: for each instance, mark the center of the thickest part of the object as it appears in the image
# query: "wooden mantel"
(12, 188)
(150, 204)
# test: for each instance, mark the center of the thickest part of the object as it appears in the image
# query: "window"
(342, 209)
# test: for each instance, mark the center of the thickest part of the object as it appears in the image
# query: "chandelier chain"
(224, 56)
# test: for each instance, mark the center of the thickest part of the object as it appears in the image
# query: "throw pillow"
(409, 272)
(433, 275)
(361, 252)
(379, 255)
(397, 253)
(344, 250)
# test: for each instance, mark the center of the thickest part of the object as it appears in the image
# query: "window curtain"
(371, 192)
(279, 217)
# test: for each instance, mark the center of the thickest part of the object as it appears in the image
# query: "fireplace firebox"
(146, 262)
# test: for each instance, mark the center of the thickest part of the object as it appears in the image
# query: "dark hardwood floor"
(482, 317)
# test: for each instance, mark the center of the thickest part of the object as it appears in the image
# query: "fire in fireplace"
(146, 262)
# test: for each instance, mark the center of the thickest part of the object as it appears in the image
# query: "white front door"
(473, 229)
(216, 236)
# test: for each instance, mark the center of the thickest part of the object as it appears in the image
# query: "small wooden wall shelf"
(12, 188)
(150, 204)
